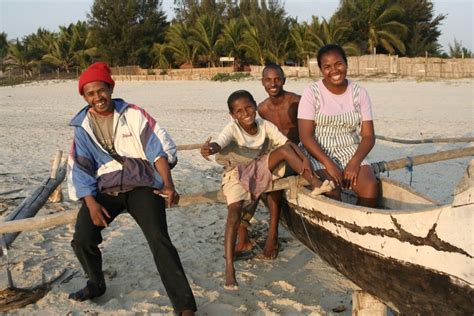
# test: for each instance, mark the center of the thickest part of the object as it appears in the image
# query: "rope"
(305, 229)
(307, 234)
(409, 168)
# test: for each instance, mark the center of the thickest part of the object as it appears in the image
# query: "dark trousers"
(148, 210)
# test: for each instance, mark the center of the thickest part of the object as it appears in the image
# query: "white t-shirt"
(333, 104)
(234, 132)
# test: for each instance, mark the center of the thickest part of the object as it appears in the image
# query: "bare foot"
(270, 251)
(326, 186)
(270, 254)
(244, 243)
(243, 247)
(230, 281)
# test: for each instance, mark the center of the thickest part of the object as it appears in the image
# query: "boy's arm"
(210, 148)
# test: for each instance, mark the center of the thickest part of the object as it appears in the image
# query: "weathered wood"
(199, 198)
(189, 146)
(426, 140)
(380, 137)
(364, 304)
(401, 163)
(31, 205)
(57, 195)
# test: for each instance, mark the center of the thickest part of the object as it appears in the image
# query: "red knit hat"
(98, 71)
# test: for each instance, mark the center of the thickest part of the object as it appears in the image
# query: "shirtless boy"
(280, 108)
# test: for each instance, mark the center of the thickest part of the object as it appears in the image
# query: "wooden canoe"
(414, 255)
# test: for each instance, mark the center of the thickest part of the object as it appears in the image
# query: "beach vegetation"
(236, 76)
(137, 32)
(456, 50)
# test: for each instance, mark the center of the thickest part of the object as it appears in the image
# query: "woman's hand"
(351, 172)
(335, 173)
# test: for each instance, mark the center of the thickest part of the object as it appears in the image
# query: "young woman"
(243, 181)
(336, 128)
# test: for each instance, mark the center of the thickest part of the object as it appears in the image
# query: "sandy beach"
(34, 125)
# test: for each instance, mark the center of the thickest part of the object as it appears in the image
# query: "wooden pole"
(426, 140)
(429, 158)
(57, 195)
(68, 217)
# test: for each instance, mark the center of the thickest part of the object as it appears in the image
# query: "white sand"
(34, 125)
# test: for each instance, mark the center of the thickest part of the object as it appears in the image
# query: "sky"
(22, 17)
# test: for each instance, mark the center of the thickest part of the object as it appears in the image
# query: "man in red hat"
(120, 160)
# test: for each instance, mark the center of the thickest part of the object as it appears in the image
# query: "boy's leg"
(287, 154)
(232, 224)
(270, 251)
(248, 211)
(148, 210)
(85, 243)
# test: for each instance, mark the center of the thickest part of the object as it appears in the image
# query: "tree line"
(137, 32)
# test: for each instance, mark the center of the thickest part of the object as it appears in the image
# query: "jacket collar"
(119, 107)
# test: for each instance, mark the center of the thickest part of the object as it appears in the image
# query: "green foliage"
(376, 24)
(125, 31)
(135, 32)
(456, 50)
(422, 26)
(20, 56)
(181, 43)
(206, 37)
(236, 76)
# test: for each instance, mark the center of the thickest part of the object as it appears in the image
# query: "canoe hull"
(405, 286)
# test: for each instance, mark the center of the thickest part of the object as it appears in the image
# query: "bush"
(233, 76)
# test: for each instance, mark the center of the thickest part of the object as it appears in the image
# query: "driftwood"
(31, 205)
(57, 195)
(67, 217)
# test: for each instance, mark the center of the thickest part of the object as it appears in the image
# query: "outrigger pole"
(68, 217)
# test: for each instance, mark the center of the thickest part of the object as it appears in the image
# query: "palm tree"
(252, 43)
(231, 39)
(206, 37)
(60, 53)
(335, 32)
(3, 49)
(375, 24)
(20, 57)
(161, 55)
(180, 42)
(81, 43)
(300, 36)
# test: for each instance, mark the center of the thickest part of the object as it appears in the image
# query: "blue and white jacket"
(137, 139)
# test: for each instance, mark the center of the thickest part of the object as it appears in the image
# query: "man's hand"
(169, 194)
(97, 212)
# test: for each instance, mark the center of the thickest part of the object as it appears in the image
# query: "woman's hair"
(331, 48)
(238, 95)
